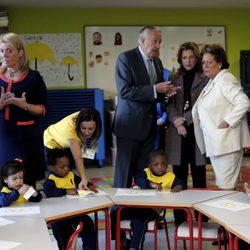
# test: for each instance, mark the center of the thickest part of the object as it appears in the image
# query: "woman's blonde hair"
(16, 41)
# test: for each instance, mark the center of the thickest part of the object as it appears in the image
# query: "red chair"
(73, 238)
(152, 227)
(211, 231)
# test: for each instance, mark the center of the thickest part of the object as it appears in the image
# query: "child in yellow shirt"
(13, 188)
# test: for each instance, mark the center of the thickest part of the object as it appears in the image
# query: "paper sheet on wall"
(6, 245)
(229, 204)
(4, 222)
(135, 192)
(13, 211)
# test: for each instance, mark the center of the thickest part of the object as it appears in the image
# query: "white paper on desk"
(100, 193)
(13, 211)
(229, 204)
(6, 245)
(135, 192)
(4, 222)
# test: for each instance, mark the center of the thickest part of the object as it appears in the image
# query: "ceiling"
(126, 3)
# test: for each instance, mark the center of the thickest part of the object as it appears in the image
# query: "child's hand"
(71, 191)
(23, 189)
(156, 186)
(176, 189)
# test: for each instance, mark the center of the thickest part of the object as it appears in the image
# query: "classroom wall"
(48, 20)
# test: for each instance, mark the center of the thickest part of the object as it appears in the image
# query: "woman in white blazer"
(219, 117)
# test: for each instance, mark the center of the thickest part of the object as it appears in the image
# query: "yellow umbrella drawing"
(69, 60)
(40, 52)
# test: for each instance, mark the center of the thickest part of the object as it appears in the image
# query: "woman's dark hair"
(156, 153)
(218, 52)
(56, 153)
(86, 115)
(189, 46)
(9, 168)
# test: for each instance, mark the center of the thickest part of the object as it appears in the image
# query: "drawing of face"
(97, 38)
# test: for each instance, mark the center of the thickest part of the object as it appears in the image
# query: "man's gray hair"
(144, 32)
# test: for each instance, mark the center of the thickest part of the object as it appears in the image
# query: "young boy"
(62, 181)
(155, 176)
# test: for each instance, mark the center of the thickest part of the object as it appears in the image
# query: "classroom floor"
(107, 170)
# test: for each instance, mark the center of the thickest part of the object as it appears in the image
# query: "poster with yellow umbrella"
(58, 58)
(38, 51)
(68, 61)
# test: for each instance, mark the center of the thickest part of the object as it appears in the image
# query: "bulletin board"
(58, 58)
(103, 44)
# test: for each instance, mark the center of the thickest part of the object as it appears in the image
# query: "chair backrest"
(73, 238)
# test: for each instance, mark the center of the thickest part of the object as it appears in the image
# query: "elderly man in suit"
(139, 80)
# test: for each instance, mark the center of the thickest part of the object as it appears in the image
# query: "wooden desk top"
(240, 231)
(224, 216)
(32, 233)
(186, 198)
(62, 207)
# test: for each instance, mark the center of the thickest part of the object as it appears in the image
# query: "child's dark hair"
(9, 168)
(54, 154)
(156, 153)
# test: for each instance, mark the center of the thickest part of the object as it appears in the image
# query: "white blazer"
(221, 99)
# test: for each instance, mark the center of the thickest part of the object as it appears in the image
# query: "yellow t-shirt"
(66, 182)
(167, 179)
(58, 134)
(20, 199)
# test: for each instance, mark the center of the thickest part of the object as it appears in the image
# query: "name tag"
(89, 153)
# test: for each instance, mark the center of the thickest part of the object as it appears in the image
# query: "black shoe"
(125, 243)
(222, 242)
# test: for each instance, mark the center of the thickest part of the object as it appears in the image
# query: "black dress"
(20, 134)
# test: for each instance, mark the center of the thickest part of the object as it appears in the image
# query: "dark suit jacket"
(175, 109)
(136, 106)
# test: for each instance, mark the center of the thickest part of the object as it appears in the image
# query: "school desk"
(183, 200)
(52, 209)
(32, 233)
(225, 217)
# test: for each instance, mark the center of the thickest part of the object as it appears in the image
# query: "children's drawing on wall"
(118, 38)
(39, 52)
(57, 57)
(69, 61)
(97, 38)
(100, 60)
